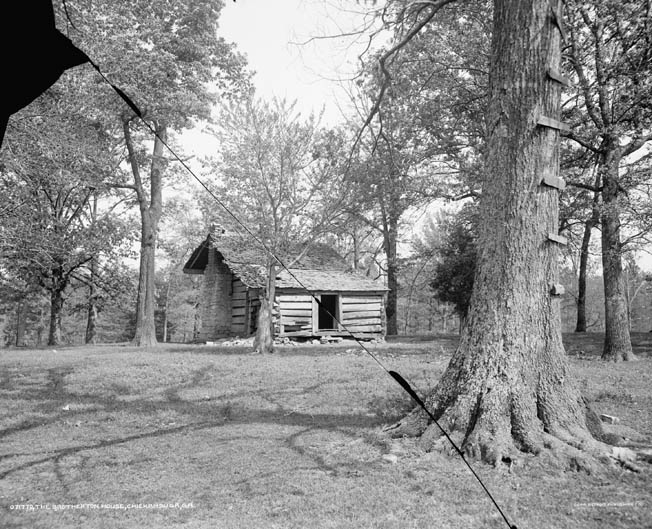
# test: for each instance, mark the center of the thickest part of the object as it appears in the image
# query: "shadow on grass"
(199, 415)
(58, 454)
(226, 415)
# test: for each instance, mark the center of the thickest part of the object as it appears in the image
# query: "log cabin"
(349, 303)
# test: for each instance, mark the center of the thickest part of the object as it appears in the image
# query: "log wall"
(240, 306)
(360, 313)
(296, 313)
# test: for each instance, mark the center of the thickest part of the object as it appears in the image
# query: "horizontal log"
(295, 321)
(296, 333)
(296, 305)
(360, 299)
(362, 321)
(296, 297)
(350, 316)
(297, 313)
(238, 311)
(361, 307)
(364, 328)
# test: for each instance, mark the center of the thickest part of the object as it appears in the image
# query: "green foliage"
(429, 129)
(279, 173)
(113, 299)
(609, 107)
(53, 167)
(168, 59)
(166, 56)
(455, 268)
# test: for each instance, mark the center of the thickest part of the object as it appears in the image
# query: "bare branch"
(582, 141)
(434, 6)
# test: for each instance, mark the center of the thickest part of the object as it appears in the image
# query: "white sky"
(269, 33)
(273, 36)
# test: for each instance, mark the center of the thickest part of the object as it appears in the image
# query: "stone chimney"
(217, 292)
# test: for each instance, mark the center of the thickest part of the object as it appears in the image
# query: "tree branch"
(581, 141)
(435, 6)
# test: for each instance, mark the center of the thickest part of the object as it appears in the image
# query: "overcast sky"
(270, 33)
(285, 44)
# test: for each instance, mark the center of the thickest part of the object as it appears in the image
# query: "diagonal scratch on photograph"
(326, 264)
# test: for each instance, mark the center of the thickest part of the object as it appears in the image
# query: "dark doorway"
(327, 322)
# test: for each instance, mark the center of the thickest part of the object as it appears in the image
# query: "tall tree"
(168, 58)
(424, 135)
(280, 175)
(54, 160)
(508, 387)
(579, 214)
(610, 55)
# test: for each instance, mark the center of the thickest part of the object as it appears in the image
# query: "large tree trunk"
(617, 341)
(264, 340)
(145, 324)
(150, 214)
(508, 387)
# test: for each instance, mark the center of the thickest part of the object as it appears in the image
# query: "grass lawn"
(215, 437)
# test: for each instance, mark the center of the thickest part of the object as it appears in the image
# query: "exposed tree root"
(497, 430)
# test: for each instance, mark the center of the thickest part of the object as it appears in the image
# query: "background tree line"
(85, 179)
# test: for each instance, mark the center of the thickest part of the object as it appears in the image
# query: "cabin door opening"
(328, 311)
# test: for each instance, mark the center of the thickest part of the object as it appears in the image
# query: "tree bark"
(145, 335)
(165, 309)
(389, 243)
(617, 341)
(21, 322)
(56, 309)
(591, 223)
(508, 387)
(91, 323)
(150, 214)
(580, 326)
(91, 317)
(264, 340)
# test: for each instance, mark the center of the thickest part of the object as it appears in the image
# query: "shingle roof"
(320, 269)
(327, 281)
